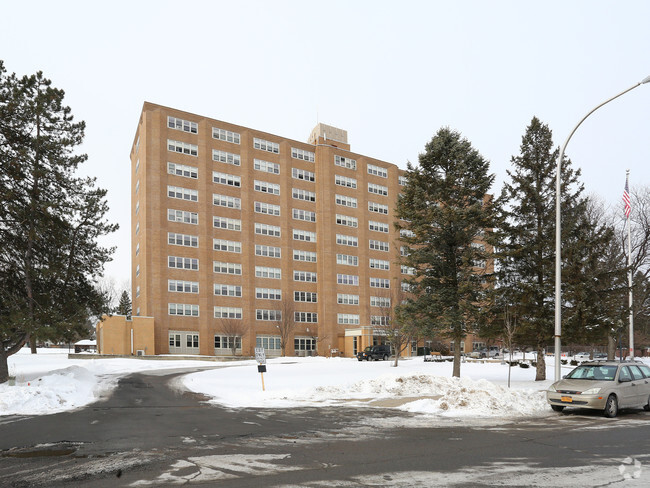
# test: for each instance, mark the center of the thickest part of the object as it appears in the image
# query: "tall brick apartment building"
(235, 224)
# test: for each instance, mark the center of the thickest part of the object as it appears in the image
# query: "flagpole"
(629, 271)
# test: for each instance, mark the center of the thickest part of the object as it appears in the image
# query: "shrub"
(524, 365)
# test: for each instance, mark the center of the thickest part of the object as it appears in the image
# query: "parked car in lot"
(375, 352)
(604, 385)
(365, 354)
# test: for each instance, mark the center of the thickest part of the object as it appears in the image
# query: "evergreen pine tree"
(49, 220)
(445, 206)
(124, 307)
(527, 253)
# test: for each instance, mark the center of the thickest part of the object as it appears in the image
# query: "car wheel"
(359, 359)
(385, 357)
(557, 408)
(646, 407)
(611, 407)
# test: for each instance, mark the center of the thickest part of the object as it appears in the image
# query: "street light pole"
(558, 235)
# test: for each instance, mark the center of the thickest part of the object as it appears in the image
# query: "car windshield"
(595, 372)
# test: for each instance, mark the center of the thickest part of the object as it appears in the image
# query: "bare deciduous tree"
(234, 330)
(394, 326)
(286, 324)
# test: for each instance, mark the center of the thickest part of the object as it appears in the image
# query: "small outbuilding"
(85, 345)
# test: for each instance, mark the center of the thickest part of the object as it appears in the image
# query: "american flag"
(626, 200)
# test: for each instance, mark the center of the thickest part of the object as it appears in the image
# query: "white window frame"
(228, 313)
(226, 223)
(183, 170)
(182, 216)
(226, 201)
(345, 181)
(268, 230)
(267, 272)
(221, 267)
(345, 201)
(226, 179)
(264, 145)
(226, 135)
(180, 193)
(184, 240)
(179, 262)
(347, 299)
(268, 251)
(226, 246)
(347, 259)
(266, 166)
(346, 279)
(267, 208)
(304, 256)
(344, 162)
(345, 240)
(182, 147)
(378, 189)
(225, 290)
(266, 187)
(304, 235)
(303, 174)
(182, 125)
(297, 153)
(347, 221)
(304, 215)
(180, 286)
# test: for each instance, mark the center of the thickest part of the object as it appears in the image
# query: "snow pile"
(59, 391)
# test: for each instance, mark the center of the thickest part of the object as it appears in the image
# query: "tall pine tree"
(124, 307)
(50, 219)
(527, 253)
(445, 206)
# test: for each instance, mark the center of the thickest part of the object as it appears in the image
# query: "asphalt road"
(149, 433)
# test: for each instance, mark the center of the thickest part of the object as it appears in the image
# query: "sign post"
(260, 357)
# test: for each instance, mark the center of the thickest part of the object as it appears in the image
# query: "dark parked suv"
(380, 352)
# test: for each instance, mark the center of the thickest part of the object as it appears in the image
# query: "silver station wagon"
(607, 386)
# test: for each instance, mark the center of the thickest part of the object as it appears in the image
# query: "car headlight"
(591, 391)
(552, 388)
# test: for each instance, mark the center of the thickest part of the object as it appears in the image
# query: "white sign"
(260, 356)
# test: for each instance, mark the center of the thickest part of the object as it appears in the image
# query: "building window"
(402, 180)
(225, 223)
(268, 315)
(227, 313)
(225, 135)
(226, 179)
(345, 162)
(137, 228)
(406, 287)
(182, 216)
(178, 286)
(186, 240)
(182, 193)
(137, 187)
(377, 171)
(303, 235)
(304, 344)
(382, 302)
(267, 208)
(378, 226)
(265, 272)
(266, 187)
(267, 251)
(262, 145)
(406, 233)
(137, 249)
(184, 125)
(346, 201)
(183, 309)
(226, 201)
(347, 319)
(226, 157)
(178, 262)
(346, 279)
(379, 264)
(267, 230)
(379, 283)
(379, 320)
(301, 174)
(137, 291)
(377, 189)
(137, 207)
(307, 276)
(266, 166)
(182, 147)
(407, 270)
(345, 299)
(379, 245)
(227, 246)
(227, 290)
(227, 342)
(347, 259)
(268, 342)
(345, 181)
(306, 256)
(226, 268)
(305, 296)
(378, 208)
(302, 154)
(268, 294)
(347, 240)
(308, 317)
(404, 251)
(307, 196)
(183, 170)
(307, 216)
(347, 221)
(137, 271)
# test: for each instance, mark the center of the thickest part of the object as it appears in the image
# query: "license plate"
(566, 399)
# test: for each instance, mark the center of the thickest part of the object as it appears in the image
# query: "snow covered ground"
(49, 382)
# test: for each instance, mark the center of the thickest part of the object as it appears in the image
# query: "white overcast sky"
(389, 72)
